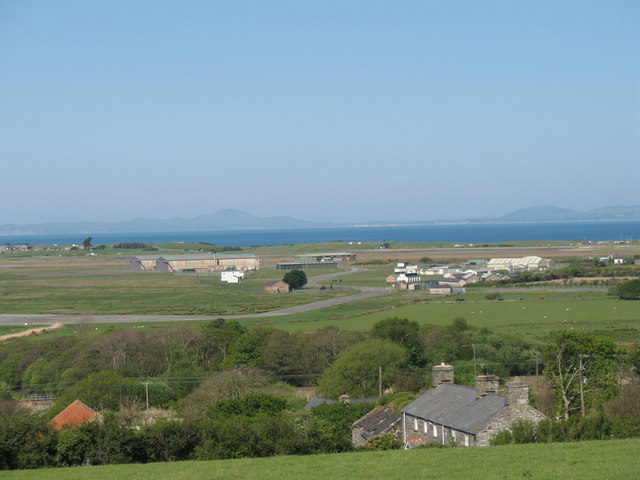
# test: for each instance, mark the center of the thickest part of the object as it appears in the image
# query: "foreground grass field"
(601, 460)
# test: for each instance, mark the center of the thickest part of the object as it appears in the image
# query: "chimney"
(486, 384)
(517, 392)
(442, 373)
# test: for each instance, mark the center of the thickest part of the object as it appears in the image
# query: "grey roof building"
(315, 401)
(379, 421)
(453, 414)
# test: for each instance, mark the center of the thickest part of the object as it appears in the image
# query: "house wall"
(504, 420)
(420, 432)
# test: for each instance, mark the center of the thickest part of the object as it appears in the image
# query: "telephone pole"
(146, 394)
(582, 411)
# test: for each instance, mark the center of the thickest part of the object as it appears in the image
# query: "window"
(415, 424)
(466, 440)
(435, 431)
(426, 427)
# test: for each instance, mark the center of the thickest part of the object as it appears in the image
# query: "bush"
(383, 442)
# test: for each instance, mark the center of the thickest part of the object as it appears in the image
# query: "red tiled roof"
(73, 416)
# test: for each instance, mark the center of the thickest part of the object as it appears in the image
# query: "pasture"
(597, 460)
(94, 285)
(63, 291)
(520, 313)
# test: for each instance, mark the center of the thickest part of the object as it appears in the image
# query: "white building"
(519, 264)
(232, 276)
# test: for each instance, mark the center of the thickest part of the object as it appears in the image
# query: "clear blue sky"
(321, 110)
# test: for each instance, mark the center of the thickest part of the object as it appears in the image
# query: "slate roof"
(377, 421)
(457, 407)
(315, 401)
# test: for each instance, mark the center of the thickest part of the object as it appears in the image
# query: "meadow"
(64, 291)
(601, 460)
(100, 284)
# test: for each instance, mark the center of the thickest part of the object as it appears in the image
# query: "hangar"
(207, 262)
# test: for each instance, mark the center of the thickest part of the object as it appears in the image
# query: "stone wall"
(505, 419)
(418, 432)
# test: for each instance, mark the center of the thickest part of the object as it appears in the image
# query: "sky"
(343, 111)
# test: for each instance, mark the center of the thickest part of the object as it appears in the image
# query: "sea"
(603, 231)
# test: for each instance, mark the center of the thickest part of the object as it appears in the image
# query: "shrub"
(383, 442)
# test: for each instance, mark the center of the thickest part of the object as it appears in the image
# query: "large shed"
(206, 262)
(519, 264)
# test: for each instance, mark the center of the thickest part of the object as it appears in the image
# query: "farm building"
(467, 417)
(207, 262)
(278, 286)
(74, 415)
(345, 399)
(231, 276)
(306, 266)
(520, 264)
(379, 421)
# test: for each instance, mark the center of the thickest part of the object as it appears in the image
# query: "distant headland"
(230, 219)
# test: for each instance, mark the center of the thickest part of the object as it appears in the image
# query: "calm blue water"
(476, 233)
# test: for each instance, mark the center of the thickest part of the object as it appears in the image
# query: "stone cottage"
(379, 421)
(452, 414)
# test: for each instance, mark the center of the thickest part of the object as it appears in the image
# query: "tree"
(356, 370)
(295, 278)
(100, 390)
(627, 290)
(86, 243)
(580, 369)
(404, 333)
(223, 385)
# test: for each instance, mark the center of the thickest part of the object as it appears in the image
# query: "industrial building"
(208, 262)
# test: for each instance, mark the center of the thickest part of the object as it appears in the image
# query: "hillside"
(230, 219)
(547, 213)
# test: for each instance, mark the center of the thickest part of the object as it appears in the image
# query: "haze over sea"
(460, 233)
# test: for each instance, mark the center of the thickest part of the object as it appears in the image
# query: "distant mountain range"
(230, 219)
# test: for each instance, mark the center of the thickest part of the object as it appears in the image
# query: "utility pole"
(475, 369)
(380, 379)
(537, 360)
(582, 411)
(146, 392)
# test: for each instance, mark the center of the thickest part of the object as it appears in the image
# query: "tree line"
(227, 390)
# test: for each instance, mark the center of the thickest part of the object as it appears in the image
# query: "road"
(44, 319)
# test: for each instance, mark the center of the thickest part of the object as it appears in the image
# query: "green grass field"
(98, 285)
(143, 294)
(521, 313)
(597, 460)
